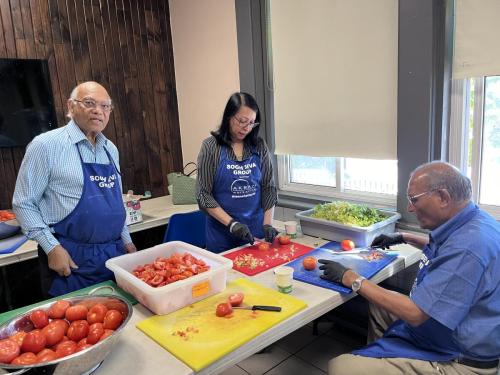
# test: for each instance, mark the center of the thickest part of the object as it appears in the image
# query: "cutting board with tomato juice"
(196, 336)
(251, 261)
(366, 264)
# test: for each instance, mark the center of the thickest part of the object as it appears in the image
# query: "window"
(475, 136)
(370, 181)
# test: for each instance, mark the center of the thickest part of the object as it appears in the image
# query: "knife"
(259, 307)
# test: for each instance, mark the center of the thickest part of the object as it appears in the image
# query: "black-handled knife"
(259, 307)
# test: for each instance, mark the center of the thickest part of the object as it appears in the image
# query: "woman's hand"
(270, 233)
(241, 231)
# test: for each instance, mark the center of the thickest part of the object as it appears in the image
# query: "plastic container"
(331, 230)
(176, 295)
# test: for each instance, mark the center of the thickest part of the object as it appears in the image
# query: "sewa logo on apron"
(241, 187)
(103, 181)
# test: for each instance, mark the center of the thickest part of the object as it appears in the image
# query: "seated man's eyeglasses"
(413, 199)
(89, 103)
(245, 123)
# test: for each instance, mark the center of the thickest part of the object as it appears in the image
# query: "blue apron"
(238, 192)
(430, 341)
(91, 233)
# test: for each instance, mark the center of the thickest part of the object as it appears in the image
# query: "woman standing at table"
(235, 184)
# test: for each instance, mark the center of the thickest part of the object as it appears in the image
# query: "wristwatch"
(356, 285)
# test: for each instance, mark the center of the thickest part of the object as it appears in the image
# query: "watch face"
(357, 284)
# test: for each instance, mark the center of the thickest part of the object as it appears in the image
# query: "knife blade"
(259, 307)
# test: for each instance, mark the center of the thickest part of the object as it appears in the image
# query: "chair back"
(188, 227)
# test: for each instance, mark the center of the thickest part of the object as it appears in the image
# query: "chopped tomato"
(236, 299)
(223, 309)
(8, 350)
(347, 245)
(284, 239)
(309, 263)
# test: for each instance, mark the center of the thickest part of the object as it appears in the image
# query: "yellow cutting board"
(196, 336)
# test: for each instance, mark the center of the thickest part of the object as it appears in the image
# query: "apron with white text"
(91, 233)
(238, 192)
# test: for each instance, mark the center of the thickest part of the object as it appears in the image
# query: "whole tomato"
(79, 348)
(347, 245)
(18, 337)
(63, 323)
(223, 309)
(96, 330)
(34, 341)
(58, 309)
(236, 299)
(78, 312)
(25, 359)
(78, 330)
(263, 246)
(106, 334)
(284, 239)
(97, 313)
(39, 318)
(8, 350)
(53, 333)
(46, 355)
(66, 348)
(113, 319)
(309, 263)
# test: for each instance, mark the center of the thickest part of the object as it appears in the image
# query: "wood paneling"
(125, 45)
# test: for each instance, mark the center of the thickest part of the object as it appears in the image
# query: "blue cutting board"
(357, 263)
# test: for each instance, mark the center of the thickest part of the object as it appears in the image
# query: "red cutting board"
(252, 261)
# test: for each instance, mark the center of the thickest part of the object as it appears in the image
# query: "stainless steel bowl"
(77, 363)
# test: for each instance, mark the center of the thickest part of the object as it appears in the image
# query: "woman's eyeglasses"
(89, 103)
(246, 123)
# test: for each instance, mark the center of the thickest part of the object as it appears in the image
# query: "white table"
(137, 354)
(155, 212)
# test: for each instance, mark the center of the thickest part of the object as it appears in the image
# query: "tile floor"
(301, 352)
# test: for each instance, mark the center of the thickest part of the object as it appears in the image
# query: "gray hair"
(442, 175)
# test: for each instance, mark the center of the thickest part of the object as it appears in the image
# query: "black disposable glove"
(332, 271)
(270, 233)
(384, 241)
(241, 231)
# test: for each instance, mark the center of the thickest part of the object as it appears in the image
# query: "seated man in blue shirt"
(450, 323)
(68, 196)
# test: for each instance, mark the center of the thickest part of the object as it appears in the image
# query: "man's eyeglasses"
(413, 199)
(245, 123)
(89, 103)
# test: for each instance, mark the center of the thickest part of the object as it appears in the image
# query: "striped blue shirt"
(50, 181)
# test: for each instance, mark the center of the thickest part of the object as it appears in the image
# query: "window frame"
(459, 129)
(326, 193)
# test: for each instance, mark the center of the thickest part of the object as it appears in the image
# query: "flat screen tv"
(26, 101)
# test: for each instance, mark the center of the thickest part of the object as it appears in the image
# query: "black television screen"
(26, 101)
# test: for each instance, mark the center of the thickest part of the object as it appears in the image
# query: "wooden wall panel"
(125, 45)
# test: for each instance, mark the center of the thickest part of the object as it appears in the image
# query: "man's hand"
(270, 233)
(130, 248)
(332, 271)
(60, 261)
(241, 231)
(384, 241)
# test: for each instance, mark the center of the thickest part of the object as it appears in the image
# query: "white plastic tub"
(176, 295)
(331, 230)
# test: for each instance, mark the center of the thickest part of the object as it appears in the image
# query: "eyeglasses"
(245, 123)
(89, 103)
(413, 199)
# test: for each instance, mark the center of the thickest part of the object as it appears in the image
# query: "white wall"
(206, 66)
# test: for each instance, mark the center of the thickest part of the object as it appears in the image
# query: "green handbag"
(182, 186)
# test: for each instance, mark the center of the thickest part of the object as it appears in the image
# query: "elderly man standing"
(450, 324)
(68, 196)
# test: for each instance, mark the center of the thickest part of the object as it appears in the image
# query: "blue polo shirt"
(461, 286)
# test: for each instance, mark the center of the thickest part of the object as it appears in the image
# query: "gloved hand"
(384, 241)
(241, 231)
(332, 271)
(270, 233)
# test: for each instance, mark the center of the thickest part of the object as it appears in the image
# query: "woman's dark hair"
(235, 102)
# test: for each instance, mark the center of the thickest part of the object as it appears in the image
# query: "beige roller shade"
(477, 31)
(335, 77)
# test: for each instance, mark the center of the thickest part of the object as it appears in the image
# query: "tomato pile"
(6, 215)
(165, 271)
(61, 330)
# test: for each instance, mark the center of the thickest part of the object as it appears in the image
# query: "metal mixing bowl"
(77, 363)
